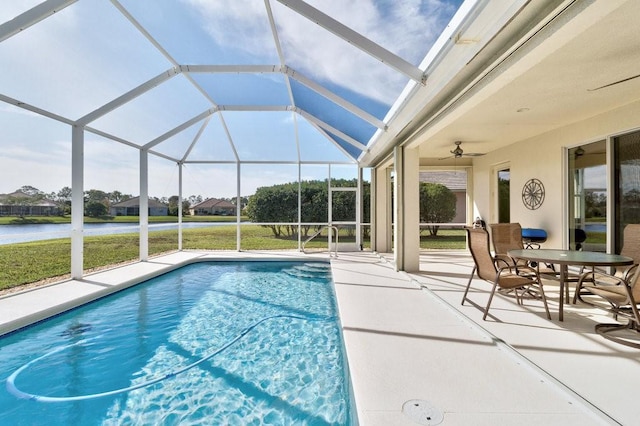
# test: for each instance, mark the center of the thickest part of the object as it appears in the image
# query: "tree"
(595, 204)
(194, 199)
(244, 200)
(173, 205)
(172, 202)
(95, 209)
(63, 199)
(95, 196)
(92, 198)
(504, 200)
(32, 191)
(279, 203)
(437, 205)
(117, 197)
(314, 201)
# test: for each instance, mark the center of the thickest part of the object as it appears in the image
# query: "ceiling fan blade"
(457, 152)
(614, 83)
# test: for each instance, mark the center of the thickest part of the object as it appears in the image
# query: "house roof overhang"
(549, 65)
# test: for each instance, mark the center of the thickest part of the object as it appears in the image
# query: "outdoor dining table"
(564, 258)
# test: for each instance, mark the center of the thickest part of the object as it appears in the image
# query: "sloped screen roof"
(220, 81)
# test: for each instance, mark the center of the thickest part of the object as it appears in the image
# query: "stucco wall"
(541, 158)
(461, 207)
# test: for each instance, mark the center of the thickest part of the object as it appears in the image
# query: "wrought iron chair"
(630, 248)
(504, 278)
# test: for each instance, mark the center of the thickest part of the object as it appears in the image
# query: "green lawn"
(34, 261)
(596, 237)
(447, 239)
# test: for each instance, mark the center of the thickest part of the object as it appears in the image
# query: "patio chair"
(630, 248)
(622, 298)
(504, 278)
(508, 236)
(505, 237)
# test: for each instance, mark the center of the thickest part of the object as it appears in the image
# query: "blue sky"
(89, 54)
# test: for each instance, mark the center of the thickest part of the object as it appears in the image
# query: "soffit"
(554, 88)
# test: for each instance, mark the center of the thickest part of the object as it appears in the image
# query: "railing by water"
(330, 227)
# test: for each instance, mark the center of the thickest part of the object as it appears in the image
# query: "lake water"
(11, 234)
(595, 227)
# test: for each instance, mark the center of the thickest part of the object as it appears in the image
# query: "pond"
(595, 227)
(11, 234)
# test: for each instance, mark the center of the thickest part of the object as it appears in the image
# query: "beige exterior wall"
(461, 208)
(542, 158)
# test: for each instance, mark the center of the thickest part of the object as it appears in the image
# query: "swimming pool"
(234, 343)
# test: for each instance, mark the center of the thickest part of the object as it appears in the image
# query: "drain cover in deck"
(422, 412)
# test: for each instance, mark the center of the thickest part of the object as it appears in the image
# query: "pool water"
(219, 343)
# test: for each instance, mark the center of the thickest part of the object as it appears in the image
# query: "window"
(504, 212)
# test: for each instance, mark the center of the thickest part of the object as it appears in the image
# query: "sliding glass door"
(626, 183)
(588, 197)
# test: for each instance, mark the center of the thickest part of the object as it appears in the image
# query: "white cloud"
(8, 109)
(48, 170)
(407, 28)
(76, 60)
(236, 22)
(11, 9)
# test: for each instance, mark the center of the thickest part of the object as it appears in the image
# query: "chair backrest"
(631, 242)
(634, 283)
(478, 240)
(505, 237)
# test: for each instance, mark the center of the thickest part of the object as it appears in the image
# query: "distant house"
(20, 204)
(457, 183)
(213, 206)
(131, 207)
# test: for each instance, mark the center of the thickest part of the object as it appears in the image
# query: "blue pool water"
(233, 343)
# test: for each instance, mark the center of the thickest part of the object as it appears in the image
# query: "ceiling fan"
(614, 83)
(459, 152)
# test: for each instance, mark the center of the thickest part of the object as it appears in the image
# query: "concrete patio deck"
(407, 337)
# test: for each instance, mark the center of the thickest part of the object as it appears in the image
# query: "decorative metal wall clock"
(533, 194)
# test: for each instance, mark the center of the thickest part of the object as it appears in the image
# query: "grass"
(30, 262)
(447, 239)
(596, 237)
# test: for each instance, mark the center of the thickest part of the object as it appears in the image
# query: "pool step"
(310, 270)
